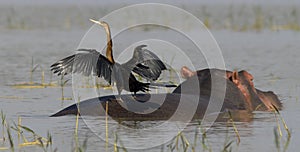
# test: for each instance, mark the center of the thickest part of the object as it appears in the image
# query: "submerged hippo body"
(145, 107)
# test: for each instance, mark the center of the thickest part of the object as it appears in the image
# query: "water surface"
(270, 56)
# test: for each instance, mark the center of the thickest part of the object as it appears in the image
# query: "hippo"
(240, 96)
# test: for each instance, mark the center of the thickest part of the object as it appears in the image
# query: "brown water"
(270, 56)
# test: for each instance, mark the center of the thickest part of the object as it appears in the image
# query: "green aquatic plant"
(227, 147)
(79, 147)
(204, 140)
(179, 143)
(278, 139)
(3, 122)
(32, 69)
(278, 133)
(32, 84)
(234, 127)
(20, 129)
(62, 86)
(206, 16)
(49, 141)
(229, 22)
(277, 114)
(106, 126)
(259, 18)
(10, 139)
(195, 140)
(116, 141)
(294, 22)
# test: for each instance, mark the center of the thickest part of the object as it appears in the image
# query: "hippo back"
(201, 85)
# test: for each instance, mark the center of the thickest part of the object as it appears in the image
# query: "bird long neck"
(109, 51)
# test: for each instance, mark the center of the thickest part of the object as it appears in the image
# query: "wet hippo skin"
(237, 82)
(148, 107)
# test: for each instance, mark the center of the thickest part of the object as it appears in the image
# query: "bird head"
(140, 47)
(102, 23)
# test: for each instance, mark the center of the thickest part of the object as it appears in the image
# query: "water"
(270, 56)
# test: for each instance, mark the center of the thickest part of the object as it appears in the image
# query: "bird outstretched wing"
(87, 62)
(145, 63)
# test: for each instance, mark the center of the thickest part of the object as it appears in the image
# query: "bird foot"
(135, 98)
(116, 99)
(119, 99)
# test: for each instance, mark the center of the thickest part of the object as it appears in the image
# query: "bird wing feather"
(87, 62)
(145, 63)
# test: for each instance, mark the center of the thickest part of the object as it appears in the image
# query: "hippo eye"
(230, 78)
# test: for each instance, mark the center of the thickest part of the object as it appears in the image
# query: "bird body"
(125, 80)
(90, 62)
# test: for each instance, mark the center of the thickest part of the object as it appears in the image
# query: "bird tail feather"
(163, 84)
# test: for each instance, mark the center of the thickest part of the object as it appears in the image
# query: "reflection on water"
(271, 57)
(216, 136)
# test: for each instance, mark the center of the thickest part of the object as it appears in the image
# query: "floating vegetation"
(31, 84)
(11, 97)
(98, 85)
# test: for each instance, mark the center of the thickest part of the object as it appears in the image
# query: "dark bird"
(91, 62)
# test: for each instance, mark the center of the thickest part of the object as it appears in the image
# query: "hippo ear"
(186, 72)
(235, 77)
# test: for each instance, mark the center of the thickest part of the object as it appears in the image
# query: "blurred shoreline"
(65, 15)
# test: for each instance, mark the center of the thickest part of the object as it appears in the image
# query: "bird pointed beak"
(97, 22)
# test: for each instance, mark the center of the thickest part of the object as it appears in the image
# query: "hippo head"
(270, 100)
